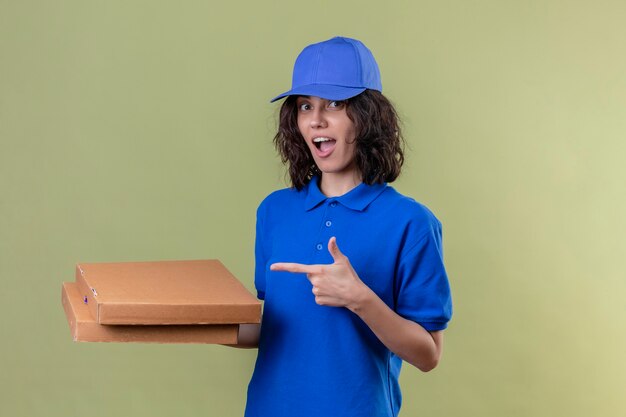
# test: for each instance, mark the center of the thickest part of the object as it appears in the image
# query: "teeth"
(322, 139)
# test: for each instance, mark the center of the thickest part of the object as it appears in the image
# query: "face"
(329, 133)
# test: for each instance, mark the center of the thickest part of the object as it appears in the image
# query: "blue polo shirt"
(325, 361)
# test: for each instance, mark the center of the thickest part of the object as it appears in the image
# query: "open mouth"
(324, 144)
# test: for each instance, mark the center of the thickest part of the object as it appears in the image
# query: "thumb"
(333, 248)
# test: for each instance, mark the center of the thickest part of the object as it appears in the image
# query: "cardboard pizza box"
(165, 292)
(85, 329)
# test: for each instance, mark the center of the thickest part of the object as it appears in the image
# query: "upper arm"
(260, 254)
(422, 287)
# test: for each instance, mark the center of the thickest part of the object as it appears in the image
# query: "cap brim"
(329, 92)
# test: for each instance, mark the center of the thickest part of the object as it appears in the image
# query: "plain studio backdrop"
(141, 130)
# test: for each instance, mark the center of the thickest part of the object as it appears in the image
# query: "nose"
(317, 119)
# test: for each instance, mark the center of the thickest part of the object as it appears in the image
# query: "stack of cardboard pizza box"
(196, 301)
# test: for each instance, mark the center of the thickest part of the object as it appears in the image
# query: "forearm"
(405, 338)
(338, 285)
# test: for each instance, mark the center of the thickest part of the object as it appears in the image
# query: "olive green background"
(141, 130)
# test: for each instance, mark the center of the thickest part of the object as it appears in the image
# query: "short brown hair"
(379, 142)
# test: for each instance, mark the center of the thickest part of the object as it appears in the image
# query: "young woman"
(351, 271)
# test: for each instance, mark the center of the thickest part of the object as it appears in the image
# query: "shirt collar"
(356, 199)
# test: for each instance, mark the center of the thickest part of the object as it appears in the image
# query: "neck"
(337, 184)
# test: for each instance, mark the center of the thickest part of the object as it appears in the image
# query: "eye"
(304, 106)
(336, 104)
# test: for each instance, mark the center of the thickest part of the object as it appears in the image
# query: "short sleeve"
(260, 257)
(422, 287)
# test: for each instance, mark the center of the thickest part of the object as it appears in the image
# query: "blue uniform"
(325, 361)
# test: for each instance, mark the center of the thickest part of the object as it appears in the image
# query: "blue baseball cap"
(336, 69)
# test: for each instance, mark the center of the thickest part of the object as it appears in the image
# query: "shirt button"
(333, 204)
(318, 246)
(328, 223)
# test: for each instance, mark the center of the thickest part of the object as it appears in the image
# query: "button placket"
(329, 223)
(324, 231)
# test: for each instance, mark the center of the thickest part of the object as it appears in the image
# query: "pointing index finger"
(294, 267)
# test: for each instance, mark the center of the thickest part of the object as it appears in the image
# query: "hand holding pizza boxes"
(161, 302)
